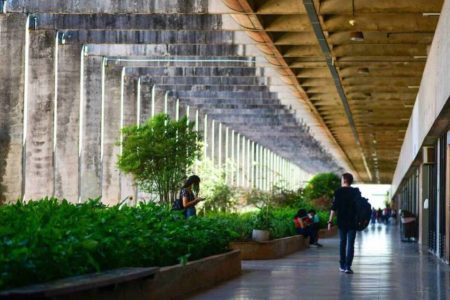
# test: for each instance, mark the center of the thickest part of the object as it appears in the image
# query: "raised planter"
(271, 249)
(174, 282)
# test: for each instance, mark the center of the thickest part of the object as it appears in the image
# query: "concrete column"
(252, 166)
(238, 160)
(145, 93)
(220, 145)
(233, 158)
(205, 137)
(128, 107)
(111, 116)
(12, 45)
(243, 155)
(226, 154)
(249, 163)
(39, 109)
(257, 167)
(67, 121)
(212, 142)
(90, 174)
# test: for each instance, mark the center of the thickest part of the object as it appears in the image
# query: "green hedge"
(46, 240)
(49, 239)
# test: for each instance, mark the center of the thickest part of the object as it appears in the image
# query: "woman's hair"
(301, 213)
(348, 178)
(192, 180)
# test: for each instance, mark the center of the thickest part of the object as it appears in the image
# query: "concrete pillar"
(39, 109)
(226, 154)
(12, 37)
(67, 121)
(111, 116)
(233, 158)
(249, 163)
(90, 174)
(212, 142)
(238, 161)
(220, 147)
(128, 107)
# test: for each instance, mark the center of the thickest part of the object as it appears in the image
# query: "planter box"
(271, 249)
(174, 282)
(324, 233)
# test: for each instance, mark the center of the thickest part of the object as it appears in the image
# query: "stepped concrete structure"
(281, 89)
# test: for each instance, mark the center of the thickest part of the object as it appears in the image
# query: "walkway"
(384, 269)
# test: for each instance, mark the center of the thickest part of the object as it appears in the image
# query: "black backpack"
(363, 212)
(178, 203)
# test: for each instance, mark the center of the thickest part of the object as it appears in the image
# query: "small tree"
(158, 154)
(320, 189)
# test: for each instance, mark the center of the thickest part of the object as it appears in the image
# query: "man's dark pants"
(347, 247)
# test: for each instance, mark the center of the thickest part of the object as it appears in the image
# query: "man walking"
(344, 207)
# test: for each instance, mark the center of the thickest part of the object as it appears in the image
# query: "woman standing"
(189, 195)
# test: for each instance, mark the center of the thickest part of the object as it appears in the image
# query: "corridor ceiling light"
(413, 86)
(419, 56)
(430, 14)
(356, 36)
(352, 22)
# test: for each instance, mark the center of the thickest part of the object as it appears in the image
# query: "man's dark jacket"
(344, 205)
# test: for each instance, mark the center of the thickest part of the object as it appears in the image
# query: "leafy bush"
(320, 189)
(48, 239)
(158, 154)
(220, 197)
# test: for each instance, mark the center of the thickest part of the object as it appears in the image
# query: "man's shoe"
(341, 269)
(349, 271)
(318, 245)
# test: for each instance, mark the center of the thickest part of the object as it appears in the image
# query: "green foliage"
(282, 222)
(51, 239)
(220, 197)
(324, 216)
(158, 154)
(263, 219)
(320, 189)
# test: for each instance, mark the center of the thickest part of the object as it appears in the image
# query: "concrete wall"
(71, 80)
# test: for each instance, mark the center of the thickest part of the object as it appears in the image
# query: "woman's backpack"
(177, 204)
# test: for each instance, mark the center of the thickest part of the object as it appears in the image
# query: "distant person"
(188, 196)
(344, 207)
(379, 215)
(373, 217)
(303, 226)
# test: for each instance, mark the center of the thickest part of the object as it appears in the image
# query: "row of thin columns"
(64, 113)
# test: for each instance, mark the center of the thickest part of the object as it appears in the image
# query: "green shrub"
(219, 196)
(158, 154)
(48, 239)
(320, 189)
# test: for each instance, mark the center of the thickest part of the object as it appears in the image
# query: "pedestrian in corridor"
(344, 207)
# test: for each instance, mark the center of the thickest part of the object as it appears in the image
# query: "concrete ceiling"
(379, 75)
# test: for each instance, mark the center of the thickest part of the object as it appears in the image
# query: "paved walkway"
(384, 268)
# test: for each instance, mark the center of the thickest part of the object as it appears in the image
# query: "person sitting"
(303, 226)
(315, 225)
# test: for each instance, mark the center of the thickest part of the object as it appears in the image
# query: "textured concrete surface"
(67, 121)
(74, 109)
(384, 269)
(38, 174)
(12, 37)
